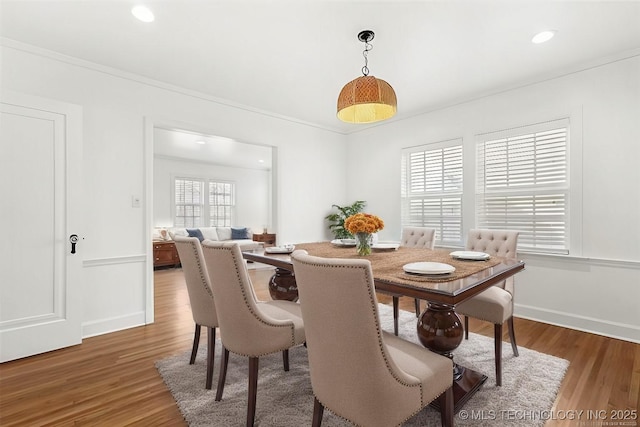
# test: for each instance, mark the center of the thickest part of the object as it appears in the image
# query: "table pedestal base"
(463, 388)
(440, 330)
(283, 286)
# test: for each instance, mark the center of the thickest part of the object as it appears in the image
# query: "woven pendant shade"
(366, 100)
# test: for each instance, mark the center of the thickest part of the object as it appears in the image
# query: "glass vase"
(363, 243)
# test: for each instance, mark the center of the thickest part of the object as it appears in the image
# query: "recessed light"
(260, 161)
(543, 36)
(143, 13)
(201, 142)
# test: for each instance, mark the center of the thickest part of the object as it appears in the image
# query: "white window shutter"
(523, 184)
(432, 189)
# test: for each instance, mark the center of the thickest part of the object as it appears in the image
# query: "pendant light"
(366, 99)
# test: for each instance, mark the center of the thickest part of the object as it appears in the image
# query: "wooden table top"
(469, 278)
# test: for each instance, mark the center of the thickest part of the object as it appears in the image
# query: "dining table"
(439, 328)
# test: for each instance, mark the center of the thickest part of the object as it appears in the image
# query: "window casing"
(523, 184)
(432, 189)
(195, 207)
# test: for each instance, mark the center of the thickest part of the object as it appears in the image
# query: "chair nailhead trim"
(201, 268)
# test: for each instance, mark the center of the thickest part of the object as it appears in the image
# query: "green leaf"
(337, 218)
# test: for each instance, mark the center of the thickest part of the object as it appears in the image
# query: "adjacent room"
(316, 213)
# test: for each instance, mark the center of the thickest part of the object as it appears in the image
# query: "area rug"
(285, 399)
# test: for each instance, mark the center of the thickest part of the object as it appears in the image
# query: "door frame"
(150, 123)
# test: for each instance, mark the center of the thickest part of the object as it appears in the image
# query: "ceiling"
(291, 58)
(185, 145)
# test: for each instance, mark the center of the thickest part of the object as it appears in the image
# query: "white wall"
(115, 248)
(588, 290)
(252, 190)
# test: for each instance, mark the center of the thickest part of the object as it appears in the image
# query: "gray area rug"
(285, 399)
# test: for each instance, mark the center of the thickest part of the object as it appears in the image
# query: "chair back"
(500, 243)
(245, 328)
(418, 237)
(352, 373)
(203, 307)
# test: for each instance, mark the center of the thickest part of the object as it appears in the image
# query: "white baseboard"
(113, 324)
(592, 325)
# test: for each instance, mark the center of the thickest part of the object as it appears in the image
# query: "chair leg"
(512, 336)
(318, 410)
(416, 301)
(497, 332)
(196, 341)
(211, 349)
(466, 327)
(395, 314)
(253, 389)
(223, 373)
(446, 408)
(285, 360)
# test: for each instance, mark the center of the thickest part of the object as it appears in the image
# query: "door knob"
(73, 239)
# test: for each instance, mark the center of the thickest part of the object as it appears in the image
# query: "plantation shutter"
(523, 184)
(221, 203)
(432, 189)
(188, 202)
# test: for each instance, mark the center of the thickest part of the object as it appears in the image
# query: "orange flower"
(363, 223)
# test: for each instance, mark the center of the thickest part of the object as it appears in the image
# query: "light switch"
(135, 201)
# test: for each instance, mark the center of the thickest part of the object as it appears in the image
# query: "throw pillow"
(239, 233)
(195, 232)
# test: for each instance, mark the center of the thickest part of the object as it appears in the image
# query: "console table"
(165, 253)
(269, 239)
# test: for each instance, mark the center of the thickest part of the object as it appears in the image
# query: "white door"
(40, 187)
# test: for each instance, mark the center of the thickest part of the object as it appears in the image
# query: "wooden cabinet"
(165, 253)
(267, 238)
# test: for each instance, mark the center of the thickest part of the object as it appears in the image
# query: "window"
(189, 202)
(221, 202)
(523, 184)
(432, 189)
(191, 199)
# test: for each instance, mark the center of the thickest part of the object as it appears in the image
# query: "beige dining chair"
(495, 304)
(203, 308)
(359, 372)
(417, 237)
(248, 327)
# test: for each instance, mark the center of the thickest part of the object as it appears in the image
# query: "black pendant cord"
(366, 36)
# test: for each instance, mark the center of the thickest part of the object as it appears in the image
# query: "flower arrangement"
(362, 225)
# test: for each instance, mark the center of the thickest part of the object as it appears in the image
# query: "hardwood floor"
(111, 379)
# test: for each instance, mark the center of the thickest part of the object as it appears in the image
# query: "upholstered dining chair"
(248, 327)
(203, 308)
(495, 304)
(417, 237)
(359, 372)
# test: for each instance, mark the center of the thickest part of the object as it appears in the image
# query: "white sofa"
(222, 234)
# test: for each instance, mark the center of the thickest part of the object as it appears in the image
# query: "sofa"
(242, 235)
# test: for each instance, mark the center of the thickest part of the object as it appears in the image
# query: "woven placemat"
(387, 265)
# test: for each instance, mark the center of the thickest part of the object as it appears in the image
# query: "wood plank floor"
(111, 379)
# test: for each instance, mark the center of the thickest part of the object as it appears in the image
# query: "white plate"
(382, 246)
(470, 255)
(344, 242)
(428, 268)
(279, 250)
